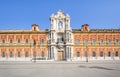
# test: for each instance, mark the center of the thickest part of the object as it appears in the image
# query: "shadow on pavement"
(96, 67)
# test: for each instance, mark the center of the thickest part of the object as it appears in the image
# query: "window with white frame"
(109, 42)
(42, 41)
(85, 42)
(11, 42)
(26, 41)
(18, 42)
(101, 41)
(93, 42)
(77, 42)
(3, 42)
(116, 42)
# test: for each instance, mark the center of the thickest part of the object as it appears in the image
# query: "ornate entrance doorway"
(60, 55)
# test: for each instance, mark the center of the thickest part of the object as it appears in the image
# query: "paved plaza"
(60, 69)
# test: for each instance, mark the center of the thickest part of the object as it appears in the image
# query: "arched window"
(11, 54)
(42, 41)
(78, 54)
(101, 54)
(19, 54)
(59, 23)
(101, 41)
(93, 42)
(26, 54)
(109, 54)
(77, 42)
(108, 41)
(94, 54)
(86, 42)
(3, 54)
(42, 54)
(116, 53)
(3, 42)
(34, 28)
(116, 42)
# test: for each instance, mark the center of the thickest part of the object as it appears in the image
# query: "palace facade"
(60, 42)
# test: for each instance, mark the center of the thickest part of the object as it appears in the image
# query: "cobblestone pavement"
(60, 69)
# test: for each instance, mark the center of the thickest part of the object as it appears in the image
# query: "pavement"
(60, 69)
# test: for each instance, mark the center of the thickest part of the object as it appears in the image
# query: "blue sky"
(20, 14)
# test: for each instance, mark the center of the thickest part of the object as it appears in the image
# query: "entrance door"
(60, 55)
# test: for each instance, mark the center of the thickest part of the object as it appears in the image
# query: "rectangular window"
(77, 42)
(26, 42)
(19, 54)
(116, 42)
(3, 54)
(93, 42)
(18, 42)
(11, 42)
(3, 42)
(101, 42)
(85, 42)
(108, 41)
(41, 41)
